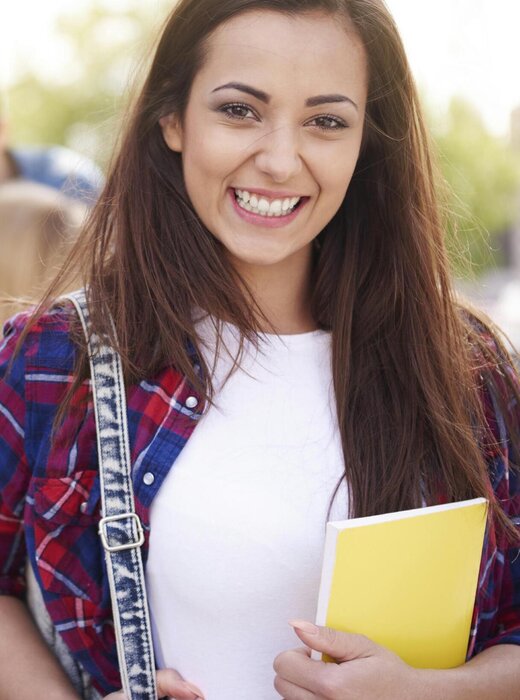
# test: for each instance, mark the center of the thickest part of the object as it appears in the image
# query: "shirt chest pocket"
(64, 521)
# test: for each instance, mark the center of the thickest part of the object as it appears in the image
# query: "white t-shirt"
(238, 527)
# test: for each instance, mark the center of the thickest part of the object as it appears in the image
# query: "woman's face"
(272, 132)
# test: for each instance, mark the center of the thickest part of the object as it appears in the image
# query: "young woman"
(269, 246)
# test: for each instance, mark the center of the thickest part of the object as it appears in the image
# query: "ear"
(172, 131)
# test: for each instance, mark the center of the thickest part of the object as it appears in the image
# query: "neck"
(282, 292)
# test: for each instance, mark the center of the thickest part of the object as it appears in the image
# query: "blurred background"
(67, 70)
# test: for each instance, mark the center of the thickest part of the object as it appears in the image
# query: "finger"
(172, 684)
(295, 667)
(291, 691)
(341, 646)
(304, 651)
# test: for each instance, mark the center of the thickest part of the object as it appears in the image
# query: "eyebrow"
(264, 97)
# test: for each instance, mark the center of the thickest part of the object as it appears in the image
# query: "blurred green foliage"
(483, 176)
(106, 49)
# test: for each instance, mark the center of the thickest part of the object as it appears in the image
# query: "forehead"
(311, 51)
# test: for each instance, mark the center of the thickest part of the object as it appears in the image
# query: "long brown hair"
(404, 358)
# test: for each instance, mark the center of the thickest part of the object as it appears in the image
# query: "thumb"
(171, 683)
(341, 646)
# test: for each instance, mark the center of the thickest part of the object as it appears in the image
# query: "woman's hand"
(169, 684)
(364, 670)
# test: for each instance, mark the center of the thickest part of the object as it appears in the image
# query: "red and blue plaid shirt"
(50, 493)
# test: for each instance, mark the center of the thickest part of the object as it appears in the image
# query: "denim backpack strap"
(120, 528)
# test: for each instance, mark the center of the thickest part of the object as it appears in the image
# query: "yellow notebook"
(407, 580)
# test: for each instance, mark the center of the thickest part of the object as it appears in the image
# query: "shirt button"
(83, 507)
(191, 402)
(148, 478)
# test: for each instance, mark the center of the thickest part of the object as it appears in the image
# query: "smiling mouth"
(265, 207)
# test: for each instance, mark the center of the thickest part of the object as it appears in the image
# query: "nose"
(278, 155)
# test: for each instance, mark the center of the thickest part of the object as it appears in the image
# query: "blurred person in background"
(52, 165)
(37, 227)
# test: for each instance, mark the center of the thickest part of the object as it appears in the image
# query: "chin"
(258, 258)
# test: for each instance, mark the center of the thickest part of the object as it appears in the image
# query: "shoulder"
(495, 368)
(43, 341)
(498, 382)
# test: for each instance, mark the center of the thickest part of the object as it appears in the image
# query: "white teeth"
(261, 205)
(275, 207)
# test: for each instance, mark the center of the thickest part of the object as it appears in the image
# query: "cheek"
(334, 168)
(212, 150)
(208, 168)
(335, 183)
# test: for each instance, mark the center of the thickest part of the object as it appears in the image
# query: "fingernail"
(304, 626)
(198, 692)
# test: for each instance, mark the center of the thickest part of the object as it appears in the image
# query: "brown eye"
(327, 122)
(236, 110)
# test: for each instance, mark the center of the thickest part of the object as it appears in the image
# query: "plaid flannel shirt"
(50, 493)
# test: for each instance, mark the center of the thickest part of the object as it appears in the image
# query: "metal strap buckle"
(120, 547)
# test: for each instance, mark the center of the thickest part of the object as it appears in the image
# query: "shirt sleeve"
(503, 584)
(14, 471)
